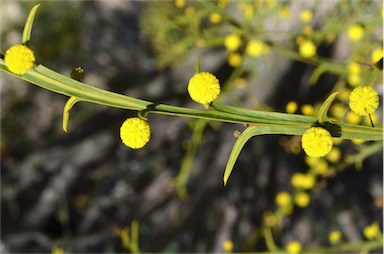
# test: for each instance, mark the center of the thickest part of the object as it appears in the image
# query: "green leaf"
(254, 131)
(72, 101)
(28, 25)
(266, 116)
(322, 115)
(316, 74)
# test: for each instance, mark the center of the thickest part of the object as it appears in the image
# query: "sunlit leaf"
(322, 115)
(28, 25)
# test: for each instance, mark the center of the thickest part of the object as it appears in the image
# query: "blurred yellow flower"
(215, 18)
(189, 11)
(364, 100)
(285, 12)
(283, 199)
(354, 67)
(321, 167)
(19, 59)
(317, 142)
(293, 247)
(235, 59)
(307, 30)
(376, 55)
(291, 107)
(307, 110)
(307, 49)
(228, 246)
(334, 155)
(256, 48)
(232, 42)
(354, 79)
(57, 250)
(302, 181)
(358, 141)
(372, 231)
(222, 3)
(204, 87)
(306, 16)
(135, 132)
(353, 118)
(355, 32)
(335, 236)
(338, 110)
(302, 199)
(179, 3)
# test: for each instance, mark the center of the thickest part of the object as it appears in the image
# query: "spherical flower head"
(135, 132)
(232, 42)
(256, 48)
(303, 181)
(215, 18)
(317, 142)
(372, 231)
(204, 87)
(356, 32)
(306, 16)
(19, 59)
(376, 55)
(293, 247)
(283, 199)
(307, 49)
(235, 59)
(228, 246)
(363, 100)
(335, 236)
(302, 199)
(291, 107)
(307, 110)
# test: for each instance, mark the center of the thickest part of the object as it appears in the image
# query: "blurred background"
(84, 191)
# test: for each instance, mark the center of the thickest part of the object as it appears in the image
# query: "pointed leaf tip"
(28, 25)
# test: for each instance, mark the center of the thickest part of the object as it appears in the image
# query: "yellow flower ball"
(317, 142)
(135, 132)
(291, 107)
(356, 32)
(256, 48)
(307, 110)
(293, 247)
(285, 12)
(354, 67)
(19, 59)
(302, 181)
(228, 246)
(204, 87)
(376, 55)
(364, 100)
(232, 42)
(372, 231)
(321, 167)
(307, 49)
(283, 199)
(334, 155)
(302, 199)
(335, 236)
(306, 16)
(180, 3)
(235, 59)
(215, 18)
